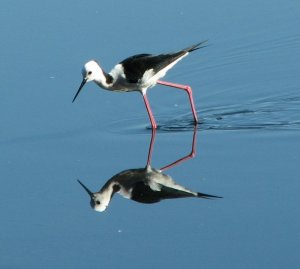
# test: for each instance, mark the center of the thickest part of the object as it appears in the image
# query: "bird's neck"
(104, 80)
(107, 192)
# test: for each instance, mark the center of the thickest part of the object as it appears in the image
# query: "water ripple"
(269, 113)
(272, 113)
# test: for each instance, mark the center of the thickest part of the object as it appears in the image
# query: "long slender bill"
(87, 190)
(80, 87)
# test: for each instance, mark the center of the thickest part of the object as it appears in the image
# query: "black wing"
(135, 66)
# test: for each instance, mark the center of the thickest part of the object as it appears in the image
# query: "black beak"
(81, 86)
(87, 190)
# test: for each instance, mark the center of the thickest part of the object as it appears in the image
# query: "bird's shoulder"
(135, 58)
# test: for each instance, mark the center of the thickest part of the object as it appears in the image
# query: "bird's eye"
(97, 202)
(90, 72)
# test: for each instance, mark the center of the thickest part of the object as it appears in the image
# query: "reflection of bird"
(139, 73)
(145, 185)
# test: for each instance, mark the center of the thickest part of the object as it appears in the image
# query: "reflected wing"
(143, 193)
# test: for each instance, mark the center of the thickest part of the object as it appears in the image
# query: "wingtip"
(197, 46)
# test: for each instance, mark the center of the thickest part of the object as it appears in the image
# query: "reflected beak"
(86, 189)
(81, 86)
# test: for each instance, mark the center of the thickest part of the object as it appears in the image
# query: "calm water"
(247, 91)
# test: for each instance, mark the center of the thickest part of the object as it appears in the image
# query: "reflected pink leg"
(151, 117)
(186, 88)
(151, 147)
(185, 158)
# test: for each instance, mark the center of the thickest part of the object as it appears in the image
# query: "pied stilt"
(139, 73)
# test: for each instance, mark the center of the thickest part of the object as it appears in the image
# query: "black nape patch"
(116, 187)
(109, 78)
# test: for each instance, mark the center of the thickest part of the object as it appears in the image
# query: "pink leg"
(185, 158)
(186, 88)
(153, 123)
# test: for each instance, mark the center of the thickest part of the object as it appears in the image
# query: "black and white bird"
(144, 185)
(139, 73)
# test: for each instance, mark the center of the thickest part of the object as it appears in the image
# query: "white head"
(91, 71)
(99, 202)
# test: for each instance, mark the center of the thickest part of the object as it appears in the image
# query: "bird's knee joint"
(188, 89)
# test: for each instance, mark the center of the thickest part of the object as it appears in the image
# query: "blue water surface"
(246, 87)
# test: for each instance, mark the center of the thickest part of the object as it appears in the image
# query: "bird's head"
(91, 71)
(97, 200)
